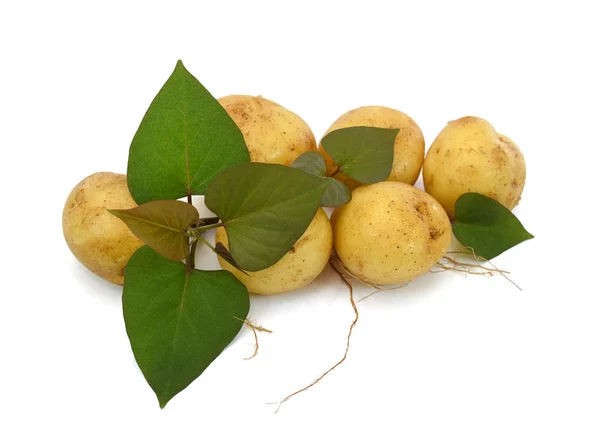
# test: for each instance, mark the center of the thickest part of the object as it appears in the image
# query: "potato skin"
(99, 240)
(470, 156)
(272, 133)
(390, 233)
(299, 267)
(409, 147)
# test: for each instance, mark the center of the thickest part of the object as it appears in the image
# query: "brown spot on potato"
(434, 234)
(499, 157)
(430, 181)
(421, 207)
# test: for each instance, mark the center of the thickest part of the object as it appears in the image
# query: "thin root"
(255, 344)
(452, 264)
(492, 270)
(384, 289)
(255, 329)
(349, 285)
(461, 270)
(345, 270)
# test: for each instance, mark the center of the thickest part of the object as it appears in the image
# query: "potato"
(409, 147)
(299, 267)
(469, 156)
(99, 240)
(272, 133)
(390, 233)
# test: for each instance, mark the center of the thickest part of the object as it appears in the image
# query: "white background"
(445, 360)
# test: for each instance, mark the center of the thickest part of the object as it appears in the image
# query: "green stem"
(207, 243)
(195, 231)
(191, 260)
(208, 227)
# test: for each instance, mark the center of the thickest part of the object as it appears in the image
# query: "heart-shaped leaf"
(337, 193)
(311, 162)
(161, 225)
(486, 226)
(178, 321)
(265, 208)
(363, 153)
(184, 140)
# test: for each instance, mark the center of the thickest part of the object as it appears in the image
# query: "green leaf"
(486, 226)
(265, 208)
(363, 153)
(178, 321)
(184, 140)
(313, 162)
(337, 194)
(161, 225)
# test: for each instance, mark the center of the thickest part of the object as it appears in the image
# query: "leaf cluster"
(178, 318)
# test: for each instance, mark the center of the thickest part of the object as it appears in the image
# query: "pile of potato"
(389, 233)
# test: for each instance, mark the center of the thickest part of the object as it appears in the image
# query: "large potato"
(470, 156)
(300, 266)
(409, 147)
(390, 233)
(272, 133)
(99, 240)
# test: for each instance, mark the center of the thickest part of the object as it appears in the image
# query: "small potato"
(409, 147)
(299, 267)
(390, 233)
(272, 133)
(99, 240)
(469, 156)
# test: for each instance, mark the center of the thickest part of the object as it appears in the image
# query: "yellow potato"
(469, 156)
(99, 240)
(390, 233)
(299, 267)
(409, 147)
(272, 133)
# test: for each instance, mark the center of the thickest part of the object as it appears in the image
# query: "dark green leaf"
(486, 226)
(185, 139)
(178, 321)
(363, 153)
(337, 194)
(265, 209)
(161, 225)
(311, 162)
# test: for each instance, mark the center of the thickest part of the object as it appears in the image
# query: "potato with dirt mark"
(99, 240)
(390, 233)
(299, 267)
(409, 146)
(273, 134)
(470, 156)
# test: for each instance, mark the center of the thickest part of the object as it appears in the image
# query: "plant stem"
(189, 198)
(196, 231)
(207, 243)
(335, 172)
(191, 261)
(207, 227)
